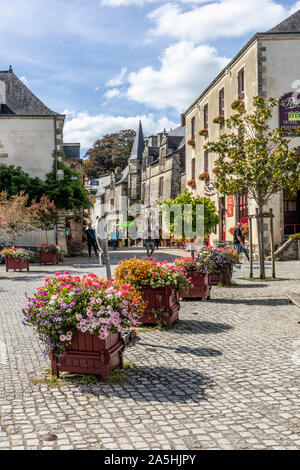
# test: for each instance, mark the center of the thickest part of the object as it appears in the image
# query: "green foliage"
(109, 153)
(254, 159)
(211, 217)
(13, 180)
(69, 192)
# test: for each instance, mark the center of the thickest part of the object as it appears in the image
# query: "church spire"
(139, 145)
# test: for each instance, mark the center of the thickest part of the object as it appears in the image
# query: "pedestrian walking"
(91, 240)
(239, 241)
(149, 243)
(114, 236)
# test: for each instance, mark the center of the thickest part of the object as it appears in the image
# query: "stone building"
(29, 131)
(154, 173)
(268, 65)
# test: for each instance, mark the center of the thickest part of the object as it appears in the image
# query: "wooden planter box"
(90, 355)
(200, 287)
(214, 279)
(165, 299)
(16, 264)
(48, 257)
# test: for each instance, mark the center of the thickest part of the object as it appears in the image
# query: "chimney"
(10, 69)
(2, 93)
(182, 119)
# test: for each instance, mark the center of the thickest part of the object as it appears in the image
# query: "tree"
(44, 214)
(254, 159)
(14, 180)
(211, 217)
(69, 192)
(15, 216)
(109, 153)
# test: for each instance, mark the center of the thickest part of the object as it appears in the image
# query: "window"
(143, 191)
(241, 84)
(205, 116)
(242, 208)
(193, 128)
(221, 106)
(221, 102)
(290, 205)
(161, 186)
(112, 203)
(193, 169)
(206, 162)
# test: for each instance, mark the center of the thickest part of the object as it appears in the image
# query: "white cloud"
(86, 128)
(223, 18)
(113, 93)
(118, 79)
(119, 3)
(185, 71)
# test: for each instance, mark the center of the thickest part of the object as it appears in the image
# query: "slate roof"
(72, 151)
(178, 132)
(124, 177)
(20, 100)
(289, 25)
(103, 183)
(139, 145)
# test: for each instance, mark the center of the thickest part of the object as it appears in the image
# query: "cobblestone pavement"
(225, 377)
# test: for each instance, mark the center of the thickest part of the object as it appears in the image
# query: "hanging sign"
(230, 206)
(289, 111)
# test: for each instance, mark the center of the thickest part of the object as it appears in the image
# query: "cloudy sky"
(108, 63)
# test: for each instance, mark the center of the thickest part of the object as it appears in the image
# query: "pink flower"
(62, 338)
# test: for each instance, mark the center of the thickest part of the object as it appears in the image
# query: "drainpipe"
(55, 156)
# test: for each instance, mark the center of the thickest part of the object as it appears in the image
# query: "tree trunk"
(260, 233)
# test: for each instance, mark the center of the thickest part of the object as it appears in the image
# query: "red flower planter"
(16, 264)
(48, 257)
(165, 299)
(214, 279)
(90, 355)
(200, 286)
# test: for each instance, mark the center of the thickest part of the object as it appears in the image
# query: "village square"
(150, 265)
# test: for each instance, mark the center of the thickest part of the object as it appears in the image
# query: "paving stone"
(222, 378)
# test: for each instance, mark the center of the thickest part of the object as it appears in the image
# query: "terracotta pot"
(200, 287)
(161, 300)
(90, 355)
(13, 263)
(48, 257)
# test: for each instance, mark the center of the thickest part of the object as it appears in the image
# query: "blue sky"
(107, 63)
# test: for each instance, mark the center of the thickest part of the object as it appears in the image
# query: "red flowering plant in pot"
(218, 263)
(191, 142)
(219, 119)
(80, 321)
(200, 287)
(159, 284)
(16, 258)
(203, 132)
(191, 182)
(204, 176)
(48, 253)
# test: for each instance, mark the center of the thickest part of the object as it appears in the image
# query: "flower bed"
(295, 236)
(218, 263)
(68, 310)
(159, 284)
(200, 287)
(48, 253)
(16, 259)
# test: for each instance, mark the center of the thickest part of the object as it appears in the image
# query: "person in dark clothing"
(149, 243)
(91, 240)
(239, 243)
(156, 237)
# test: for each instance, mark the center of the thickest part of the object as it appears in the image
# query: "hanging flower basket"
(16, 259)
(215, 169)
(204, 176)
(191, 182)
(237, 104)
(203, 132)
(219, 119)
(191, 142)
